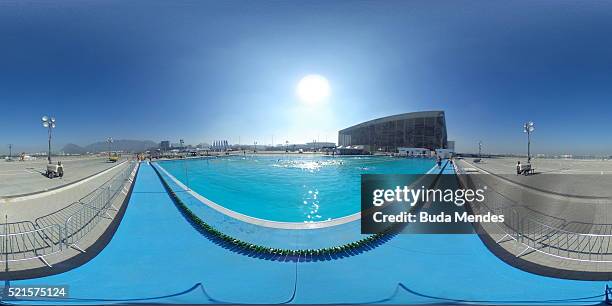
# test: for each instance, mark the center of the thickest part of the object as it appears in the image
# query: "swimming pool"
(171, 262)
(288, 188)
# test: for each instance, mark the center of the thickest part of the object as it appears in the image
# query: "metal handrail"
(565, 222)
(37, 242)
(544, 238)
(38, 239)
(27, 232)
(100, 203)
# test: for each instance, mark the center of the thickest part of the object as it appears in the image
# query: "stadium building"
(412, 130)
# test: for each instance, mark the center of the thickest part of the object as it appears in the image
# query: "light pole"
(109, 140)
(49, 123)
(528, 128)
(10, 151)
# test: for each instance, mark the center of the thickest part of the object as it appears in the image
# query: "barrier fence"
(542, 233)
(26, 240)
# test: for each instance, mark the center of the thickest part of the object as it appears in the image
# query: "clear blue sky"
(203, 70)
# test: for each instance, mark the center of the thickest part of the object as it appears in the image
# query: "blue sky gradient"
(203, 70)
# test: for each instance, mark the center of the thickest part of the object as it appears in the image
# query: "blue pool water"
(288, 188)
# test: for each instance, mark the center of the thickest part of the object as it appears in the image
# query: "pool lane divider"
(206, 228)
(350, 248)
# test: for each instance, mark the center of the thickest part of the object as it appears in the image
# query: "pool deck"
(23, 178)
(566, 177)
(561, 193)
(48, 208)
(171, 262)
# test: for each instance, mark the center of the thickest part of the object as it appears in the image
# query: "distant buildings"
(220, 145)
(165, 145)
(410, 130)
(319, 145)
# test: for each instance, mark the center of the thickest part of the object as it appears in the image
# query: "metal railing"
(38, 241)
(543, 233)
(29, 244)
(93, 211)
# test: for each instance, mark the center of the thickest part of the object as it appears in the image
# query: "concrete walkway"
(51, 231)
(44, 203)
(565, 231)
(587, 178)
(21, 178)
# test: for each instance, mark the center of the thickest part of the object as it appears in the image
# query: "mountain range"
(117, 145)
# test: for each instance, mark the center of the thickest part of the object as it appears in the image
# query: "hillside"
(118, 145)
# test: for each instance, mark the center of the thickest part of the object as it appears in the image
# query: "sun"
(313, 89)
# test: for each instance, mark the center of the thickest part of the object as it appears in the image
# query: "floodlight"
(48, 122)
(528, 128)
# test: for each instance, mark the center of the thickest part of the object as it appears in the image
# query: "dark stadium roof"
(396, 117)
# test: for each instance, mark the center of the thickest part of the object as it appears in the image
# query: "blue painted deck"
(156, 256)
